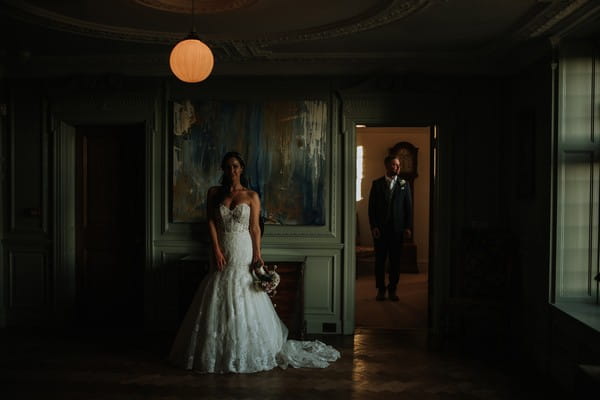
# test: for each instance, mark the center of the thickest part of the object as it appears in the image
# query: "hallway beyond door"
(410, 312)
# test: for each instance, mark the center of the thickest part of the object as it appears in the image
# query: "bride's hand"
(256, 259)
(220, 260)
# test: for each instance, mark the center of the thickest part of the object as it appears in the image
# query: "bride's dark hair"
(225, 181)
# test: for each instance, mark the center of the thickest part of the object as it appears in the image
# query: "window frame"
(577, 144)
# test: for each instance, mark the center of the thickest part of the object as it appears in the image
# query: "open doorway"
(411, 311)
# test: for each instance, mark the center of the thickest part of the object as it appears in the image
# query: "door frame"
(64, 119)
(432, 134)
(439, 234)
(120, 134)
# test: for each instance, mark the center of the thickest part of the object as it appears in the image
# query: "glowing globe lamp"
(191, 60)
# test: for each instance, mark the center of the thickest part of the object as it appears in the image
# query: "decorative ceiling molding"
(550, 17)
(543, 20)
(388, 11)
(582, 18)
(200, 6)
(26, 12)
(311, 58)
(268, 52)
(357, 56)
(156, 64)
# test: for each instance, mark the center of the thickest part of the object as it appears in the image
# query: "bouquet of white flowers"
(265, 278)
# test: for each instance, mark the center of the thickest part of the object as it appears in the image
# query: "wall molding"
(37, 211)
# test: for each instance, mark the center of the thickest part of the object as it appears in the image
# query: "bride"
(231, 326)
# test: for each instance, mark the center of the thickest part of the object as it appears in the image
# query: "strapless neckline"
(236, 206)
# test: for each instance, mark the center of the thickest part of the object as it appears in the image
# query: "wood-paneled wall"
(473, 185)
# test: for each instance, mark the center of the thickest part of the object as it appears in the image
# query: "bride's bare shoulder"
(253, 197)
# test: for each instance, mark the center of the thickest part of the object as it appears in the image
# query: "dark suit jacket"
(401, 205)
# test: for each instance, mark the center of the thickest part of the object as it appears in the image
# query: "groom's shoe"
(392, 295)
(380, 295)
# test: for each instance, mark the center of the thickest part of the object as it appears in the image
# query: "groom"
(390, 217)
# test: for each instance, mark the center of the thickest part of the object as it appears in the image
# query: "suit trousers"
(389, 245)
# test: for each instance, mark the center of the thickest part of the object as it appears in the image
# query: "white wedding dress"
(231, 326)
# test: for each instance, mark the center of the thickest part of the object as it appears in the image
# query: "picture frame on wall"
(284, 144)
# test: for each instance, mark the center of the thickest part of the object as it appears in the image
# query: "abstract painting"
(284, 144)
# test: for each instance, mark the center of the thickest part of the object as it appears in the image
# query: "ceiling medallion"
(200, 6)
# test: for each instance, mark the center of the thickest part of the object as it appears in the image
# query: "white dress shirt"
(391, 181)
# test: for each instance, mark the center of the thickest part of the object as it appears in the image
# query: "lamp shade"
(191, 60)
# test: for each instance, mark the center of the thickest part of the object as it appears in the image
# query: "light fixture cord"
(193, 25)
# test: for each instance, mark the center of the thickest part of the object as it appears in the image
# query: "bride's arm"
(212, 229)
(255, 227)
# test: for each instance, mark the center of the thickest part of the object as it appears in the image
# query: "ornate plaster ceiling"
(197, 6)
(288, 36)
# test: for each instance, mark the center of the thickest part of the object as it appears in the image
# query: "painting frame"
(301, 126)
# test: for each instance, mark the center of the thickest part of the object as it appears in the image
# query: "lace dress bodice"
(234, 236)
(234, 220)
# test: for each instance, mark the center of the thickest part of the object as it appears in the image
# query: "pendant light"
(191, 60)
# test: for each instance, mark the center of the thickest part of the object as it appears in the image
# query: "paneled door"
(110, 225)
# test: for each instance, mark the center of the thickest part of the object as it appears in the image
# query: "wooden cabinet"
(289, 299)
